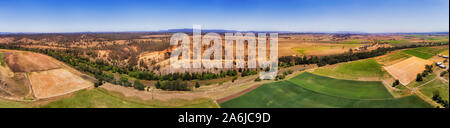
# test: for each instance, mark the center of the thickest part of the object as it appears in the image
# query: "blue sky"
(279, 15)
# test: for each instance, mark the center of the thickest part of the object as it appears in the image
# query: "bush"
(396, 82)
(177, 85)
(158, 85)
(258, 79)
(98, 83)
(138, 85)
(234, 79)
(197, 85)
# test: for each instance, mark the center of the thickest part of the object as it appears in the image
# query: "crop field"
(285, 94)
(425, 52)
(353, 70)
(407, 70)
(418, 54)
(342, 88)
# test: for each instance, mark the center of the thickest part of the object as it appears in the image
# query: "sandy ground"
(407, 70)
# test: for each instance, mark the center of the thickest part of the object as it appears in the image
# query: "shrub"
(138, 85)
(197, 85)
(419, 77)
(234, 79)
(158, 85)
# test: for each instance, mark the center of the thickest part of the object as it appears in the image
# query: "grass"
(285, 94)
(12, 104)
(342, 88)
(426, 79)
(418, 54)
(425, 52)
(101, 98)
(436, 87)
(353, 70)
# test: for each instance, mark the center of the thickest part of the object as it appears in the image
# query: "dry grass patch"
(56, 82)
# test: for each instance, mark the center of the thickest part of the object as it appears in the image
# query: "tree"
(98, 83)
(396, 82)
(419, 77)
(197, 85)
(158, 85)
(138, 85)
(234, 79)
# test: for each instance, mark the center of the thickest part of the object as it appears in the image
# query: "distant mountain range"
(188, 30)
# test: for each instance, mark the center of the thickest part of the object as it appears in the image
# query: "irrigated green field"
(425, 52)
(342, 88)
(285, 94)
(353, 70)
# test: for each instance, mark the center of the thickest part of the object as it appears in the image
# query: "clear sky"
(279, 15)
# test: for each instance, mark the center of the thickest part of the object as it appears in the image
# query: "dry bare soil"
(407, 70)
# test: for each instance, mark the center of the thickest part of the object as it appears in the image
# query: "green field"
(418, 54)
(393, 56)
(436, 87)
(424, 52)
(285, 94)
(101, 98)
(342, 88)
(353, 70)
